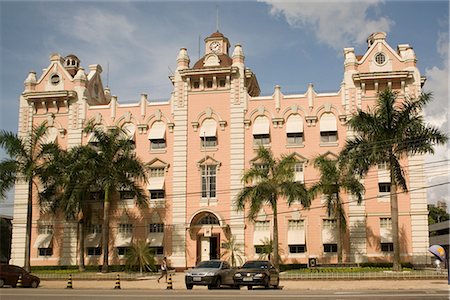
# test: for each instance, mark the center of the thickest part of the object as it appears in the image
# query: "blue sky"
(289, 43)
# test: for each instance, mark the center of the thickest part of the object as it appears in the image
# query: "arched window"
(208, 219)
(328, 128)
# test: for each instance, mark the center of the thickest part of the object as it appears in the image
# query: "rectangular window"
(208, 181)
(94, 229)
(262, 225)
(295, 225)
(384, 187)
(259, 249)
(387, 247)
(329, 248)
(329, 223)
(94, 251)
(261, 139)
(209, 141)
(126, 228)
(45, 229)
(222, 82)
(196, 84)
(157, 144)
(45, 251)
(328, 136)
(209, 84)
(156, 227)
(297, 248)
(121, 251)
(157, 172)
(157, 250)
(386, 223)
(124, 195)
(157, 194)
(295, 138)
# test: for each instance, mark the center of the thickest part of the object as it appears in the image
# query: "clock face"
(215, 47)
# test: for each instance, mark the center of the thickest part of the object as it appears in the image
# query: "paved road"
(88, 294)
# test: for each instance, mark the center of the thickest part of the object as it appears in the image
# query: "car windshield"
(209, 264)
(255, 265)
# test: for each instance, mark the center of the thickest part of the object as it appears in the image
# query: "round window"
(380, 58)
(55, 79)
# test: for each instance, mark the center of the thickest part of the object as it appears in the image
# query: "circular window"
(380, 58)
(55, 79)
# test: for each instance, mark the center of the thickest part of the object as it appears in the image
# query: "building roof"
(224, 61)
(216, 34)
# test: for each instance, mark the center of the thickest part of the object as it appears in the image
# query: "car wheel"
(236, 287)
(210, 286)
(277, 284)
(218, 283)
(267, 283)
(2, 283)
(249, 287)
(34, 284)
(189, 286)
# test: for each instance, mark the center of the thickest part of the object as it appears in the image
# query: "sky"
(286, 43)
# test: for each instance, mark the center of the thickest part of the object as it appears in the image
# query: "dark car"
(9, 275)
(257, 273)
(213, 273)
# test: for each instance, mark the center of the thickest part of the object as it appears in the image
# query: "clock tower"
(217, 43)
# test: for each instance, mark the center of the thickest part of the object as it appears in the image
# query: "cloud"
(335, 23)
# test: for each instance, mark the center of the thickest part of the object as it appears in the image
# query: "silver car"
(213, 273)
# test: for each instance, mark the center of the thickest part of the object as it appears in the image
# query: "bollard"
(19, 281)
(169, 282)
(117, 287)
(69, 282)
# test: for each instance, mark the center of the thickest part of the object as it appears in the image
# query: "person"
(163, 269)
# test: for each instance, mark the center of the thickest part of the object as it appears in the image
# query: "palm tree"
(388, 134)
(273, 178)
(139, 254)
(68, 186)
(267, 249)
(27, 156)
(332, 180)
(233, 251)
(115, 167)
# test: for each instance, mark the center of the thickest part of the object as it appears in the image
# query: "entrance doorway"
(208, 248)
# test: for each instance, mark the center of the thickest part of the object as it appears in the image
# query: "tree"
(272, 178)
(27, 156)
(332, 180)
(140, 255)
(67, 185)
(115, 168)
(388, 134)
(233, 251)
(436, 214)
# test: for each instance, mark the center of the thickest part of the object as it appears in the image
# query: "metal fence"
(366, 275)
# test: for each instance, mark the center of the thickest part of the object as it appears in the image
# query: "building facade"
(199, 143)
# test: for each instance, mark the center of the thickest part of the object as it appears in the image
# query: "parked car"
(213, 273)
(257, 273)
(9, 275)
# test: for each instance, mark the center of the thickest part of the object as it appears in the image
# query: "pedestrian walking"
(163, 269)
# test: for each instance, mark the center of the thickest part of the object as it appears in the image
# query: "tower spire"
(217, 17)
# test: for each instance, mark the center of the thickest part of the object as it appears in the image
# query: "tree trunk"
(275, 235)
(395, 234)
(339, 237)
(105, 231)
(27, 265)
(81, 266)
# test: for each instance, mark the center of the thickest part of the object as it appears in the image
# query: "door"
(205, 249)
(214, 247)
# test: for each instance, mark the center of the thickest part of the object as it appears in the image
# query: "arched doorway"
(206, 230)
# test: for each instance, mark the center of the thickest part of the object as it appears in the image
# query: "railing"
(367, 275)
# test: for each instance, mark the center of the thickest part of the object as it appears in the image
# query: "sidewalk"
(178, 284)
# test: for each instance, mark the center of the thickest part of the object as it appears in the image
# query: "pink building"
(198, 144)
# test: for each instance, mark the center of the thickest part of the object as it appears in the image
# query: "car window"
(209, 264)
(225, 265)
(255, 265)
